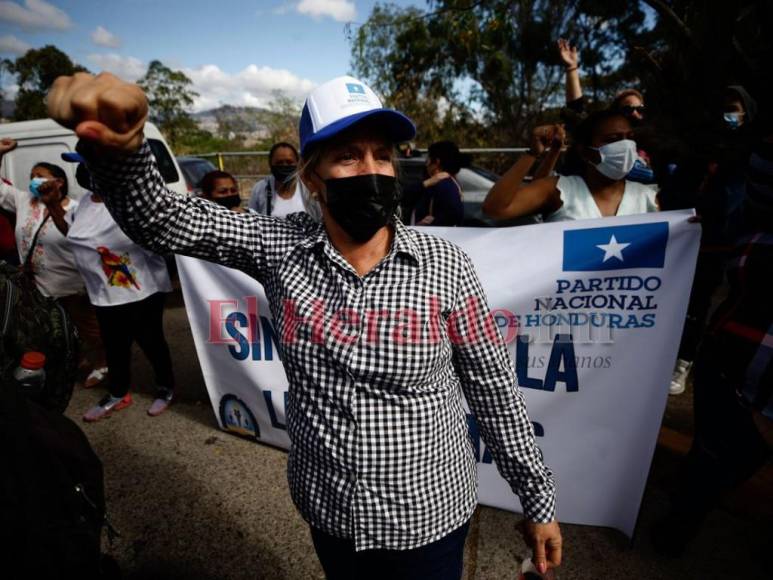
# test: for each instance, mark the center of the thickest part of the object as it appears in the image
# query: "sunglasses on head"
(631, 109)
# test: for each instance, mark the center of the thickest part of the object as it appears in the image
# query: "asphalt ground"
(191, 501)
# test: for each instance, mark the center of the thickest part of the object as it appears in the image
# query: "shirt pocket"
(404, 348)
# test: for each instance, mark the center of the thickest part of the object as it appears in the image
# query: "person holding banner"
(126, 286)
(733, 385)
(604, 142)
(382, 330)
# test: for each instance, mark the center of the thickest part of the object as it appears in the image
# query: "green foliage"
(36, 70)
(169, 96)
(281, 120)
(494, 67)
(696, 50)
(196, 140)
(502, 53)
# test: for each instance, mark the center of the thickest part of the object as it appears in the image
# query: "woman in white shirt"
(605, 143)
(41, 212)
(281, 193)
(127, 286)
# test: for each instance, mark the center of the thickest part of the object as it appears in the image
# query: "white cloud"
(253, 86)
(10, 92)
(103, 37)
(341, 10)
(9, 43)
(35, 14)
(126, 67)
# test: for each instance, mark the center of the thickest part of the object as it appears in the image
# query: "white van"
(46, 140)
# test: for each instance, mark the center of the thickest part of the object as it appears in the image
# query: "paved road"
(193, 502)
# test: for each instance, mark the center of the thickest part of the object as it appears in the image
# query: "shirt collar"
(403, 243)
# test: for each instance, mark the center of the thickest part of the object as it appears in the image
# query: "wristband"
(571, 68)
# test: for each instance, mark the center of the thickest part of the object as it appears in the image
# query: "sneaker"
(96, 377)
(679, 378)
(161, 403)
(107, 405)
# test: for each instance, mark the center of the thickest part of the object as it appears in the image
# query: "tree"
(281, 120)
(36, 70)
(5, 67)
(500, 52)
(169, 96)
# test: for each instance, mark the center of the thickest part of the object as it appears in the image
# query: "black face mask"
(282, 172)
(362, 204)
(229, 201)
(83, 176)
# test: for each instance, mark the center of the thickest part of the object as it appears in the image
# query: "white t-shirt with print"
(284, 207)
(115, 269)
(578, 202)
(52, 259)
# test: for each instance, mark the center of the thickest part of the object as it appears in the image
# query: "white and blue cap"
(338, 104)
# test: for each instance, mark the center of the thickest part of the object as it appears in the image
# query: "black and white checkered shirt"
(376, 364)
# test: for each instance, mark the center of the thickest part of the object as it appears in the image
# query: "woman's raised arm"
(108, 115)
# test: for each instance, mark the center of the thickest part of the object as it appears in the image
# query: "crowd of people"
(112, 288)
(339, 191)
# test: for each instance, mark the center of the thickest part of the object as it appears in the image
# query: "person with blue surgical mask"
(40, 226)
(738, 108)
(605, 149)
(41, 211)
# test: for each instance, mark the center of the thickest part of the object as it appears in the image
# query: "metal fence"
(253, 165)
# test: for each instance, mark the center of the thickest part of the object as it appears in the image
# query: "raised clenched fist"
(7, 145)
(102, 110)
(547, 137)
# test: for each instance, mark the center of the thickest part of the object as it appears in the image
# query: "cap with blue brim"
(73, 157)
(336, 105)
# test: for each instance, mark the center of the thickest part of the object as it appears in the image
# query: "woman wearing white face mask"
(604, 141)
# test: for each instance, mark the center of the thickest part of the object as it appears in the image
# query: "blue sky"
(236, 51)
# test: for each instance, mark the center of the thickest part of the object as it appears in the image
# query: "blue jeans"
(440, 560)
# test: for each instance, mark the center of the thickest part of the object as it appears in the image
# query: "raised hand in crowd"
(52, 196)
(570, 60)
(103, 110)
(501, 201)
(568, 53)
(550, 138)
(6, 146)
(546, 137)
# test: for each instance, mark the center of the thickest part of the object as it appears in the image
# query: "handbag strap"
(27, 266)
(269, 196)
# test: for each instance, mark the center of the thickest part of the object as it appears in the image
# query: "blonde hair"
(308, 163)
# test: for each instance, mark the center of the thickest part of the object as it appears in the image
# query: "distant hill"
(243, 119)
(253, 123)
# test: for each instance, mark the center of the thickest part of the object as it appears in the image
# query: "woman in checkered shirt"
(383, 329)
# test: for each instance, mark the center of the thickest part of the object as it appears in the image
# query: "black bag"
(51, 495)
(31, 321)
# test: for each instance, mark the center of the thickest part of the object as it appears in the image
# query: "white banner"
(592, 312)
